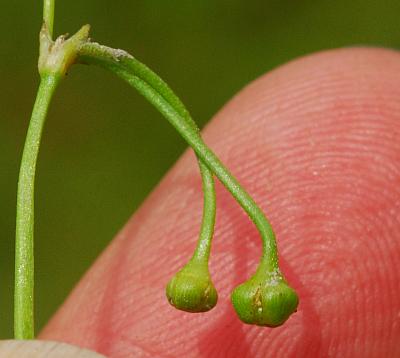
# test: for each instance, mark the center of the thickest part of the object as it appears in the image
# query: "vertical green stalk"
(24, 262)
(48, 15)
(54, 61)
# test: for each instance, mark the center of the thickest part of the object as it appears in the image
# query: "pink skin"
(317, 143)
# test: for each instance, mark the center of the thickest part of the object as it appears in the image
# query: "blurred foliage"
(104, 148)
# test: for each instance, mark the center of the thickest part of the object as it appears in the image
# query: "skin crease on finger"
(317, 143)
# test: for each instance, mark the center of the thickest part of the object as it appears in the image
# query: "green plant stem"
(48, 15)
(202, 252)
(54, 60)
(24, 262)
(154, 90)
(209, 206)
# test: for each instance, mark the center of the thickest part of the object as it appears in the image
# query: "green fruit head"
(191, 289)
(264, 300)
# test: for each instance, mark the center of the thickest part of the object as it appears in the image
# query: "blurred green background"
(104, 148)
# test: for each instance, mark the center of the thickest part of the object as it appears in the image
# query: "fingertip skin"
(316, 142)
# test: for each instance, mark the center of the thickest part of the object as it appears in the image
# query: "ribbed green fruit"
(191, 289)
(264, 300)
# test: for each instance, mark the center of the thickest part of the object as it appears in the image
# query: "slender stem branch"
(48, 15)
(24, 262)
(156, 92)
(203, 248)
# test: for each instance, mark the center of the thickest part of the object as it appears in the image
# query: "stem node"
(57, 56)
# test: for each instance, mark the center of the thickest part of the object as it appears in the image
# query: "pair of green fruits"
(263, 300)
